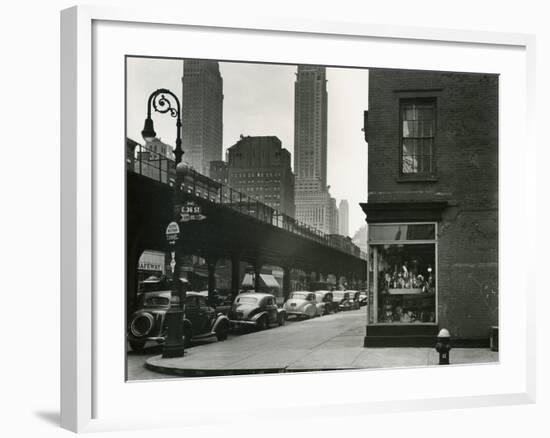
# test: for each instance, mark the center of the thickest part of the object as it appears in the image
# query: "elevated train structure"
(235, 226)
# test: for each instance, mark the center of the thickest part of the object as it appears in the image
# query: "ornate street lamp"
(162, 101)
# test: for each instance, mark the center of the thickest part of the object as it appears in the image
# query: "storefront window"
(403, 275)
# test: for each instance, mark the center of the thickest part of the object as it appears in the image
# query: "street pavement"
(136, 361)
(332, 342)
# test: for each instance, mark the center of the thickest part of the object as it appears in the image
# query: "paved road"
(326, 343)
(136, 361)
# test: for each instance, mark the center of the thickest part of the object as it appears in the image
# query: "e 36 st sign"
(190, 211)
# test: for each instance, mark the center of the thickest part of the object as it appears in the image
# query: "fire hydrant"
(443, 346)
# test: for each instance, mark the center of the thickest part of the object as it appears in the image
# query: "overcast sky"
(259, 100)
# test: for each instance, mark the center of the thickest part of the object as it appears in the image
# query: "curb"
(194, 372)
(213, 372)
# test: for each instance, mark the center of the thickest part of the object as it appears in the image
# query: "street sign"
(190, 211)
(192, 217)
(172, 232)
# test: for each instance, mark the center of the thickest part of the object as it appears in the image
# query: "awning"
(248, 281)
(267, 280)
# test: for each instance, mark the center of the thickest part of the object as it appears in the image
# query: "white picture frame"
(87, 365)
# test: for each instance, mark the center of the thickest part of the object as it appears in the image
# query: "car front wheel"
(187, 335)
(137, 346)
(262, 323)
(222, 331)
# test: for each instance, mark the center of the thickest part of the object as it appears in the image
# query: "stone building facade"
(317, 209)
(202, 113)
(343, 218)
(219, 171)
(260, 168)
(314, 205)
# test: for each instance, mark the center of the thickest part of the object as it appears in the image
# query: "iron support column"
(308, 273)
(211, 264)
(286, 282)
(132, 259)
(257, 270)
(338, 276)
(235, 274)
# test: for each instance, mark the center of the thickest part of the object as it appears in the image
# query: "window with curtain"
(417, 136)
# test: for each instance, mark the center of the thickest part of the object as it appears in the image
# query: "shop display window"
(403, 273)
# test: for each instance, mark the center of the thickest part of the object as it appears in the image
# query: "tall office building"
(314, 205)
(316, 209)
(260, 168)
(360, 238)
(333, 217)
(202, 113)
(219, 172)
(343, 218)
(310, 127)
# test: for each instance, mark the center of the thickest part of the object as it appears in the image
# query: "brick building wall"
(465, 177)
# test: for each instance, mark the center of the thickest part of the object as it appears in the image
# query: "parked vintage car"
(148, 322)
(363, 298)
(302, 304)
(341, 299)
(256, 310)
(222, 303)
(353, 299)
(325, 305)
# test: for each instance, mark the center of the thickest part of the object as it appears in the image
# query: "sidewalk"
(333, 342)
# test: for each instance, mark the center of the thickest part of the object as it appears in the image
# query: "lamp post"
(162, 101)
(162, 104)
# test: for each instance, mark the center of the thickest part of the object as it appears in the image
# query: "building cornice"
(379, 212)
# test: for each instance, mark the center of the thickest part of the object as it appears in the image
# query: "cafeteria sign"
(191, 212)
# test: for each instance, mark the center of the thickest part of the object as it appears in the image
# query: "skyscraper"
(360, 238)
(334, 217)
(310, 126)
(314, 206)
(343, 218)
(202, 113)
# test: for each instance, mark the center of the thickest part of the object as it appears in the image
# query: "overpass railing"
(161, 168)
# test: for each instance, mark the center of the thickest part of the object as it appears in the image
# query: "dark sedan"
(256, 310)
(341, 299)
(326, 304)
(200, 320)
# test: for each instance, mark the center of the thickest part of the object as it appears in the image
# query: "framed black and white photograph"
(271, 208)
(232, 240)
